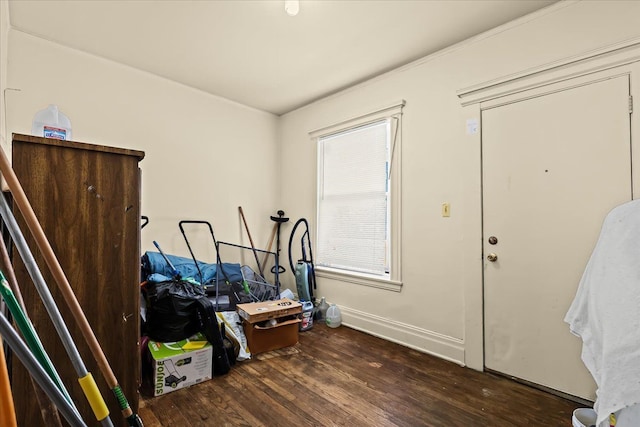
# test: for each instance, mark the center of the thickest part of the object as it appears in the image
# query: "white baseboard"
(448, 348)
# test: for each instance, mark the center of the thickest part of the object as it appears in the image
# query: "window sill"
(359, 279)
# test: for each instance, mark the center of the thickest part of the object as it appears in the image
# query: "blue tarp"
(157, 269)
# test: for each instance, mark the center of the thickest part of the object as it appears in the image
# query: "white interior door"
(553, 167)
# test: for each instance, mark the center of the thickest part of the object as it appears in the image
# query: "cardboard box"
(267, 338)
(270, 325)
(260, 311)
(180, 364)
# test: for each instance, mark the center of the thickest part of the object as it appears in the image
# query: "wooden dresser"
(87, 199)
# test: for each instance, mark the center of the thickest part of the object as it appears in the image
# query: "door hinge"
(630, 104)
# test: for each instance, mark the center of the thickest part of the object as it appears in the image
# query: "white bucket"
(584, 417)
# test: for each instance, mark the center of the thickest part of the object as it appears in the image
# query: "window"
(358, 205)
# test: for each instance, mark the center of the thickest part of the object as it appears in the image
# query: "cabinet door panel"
(87, 200)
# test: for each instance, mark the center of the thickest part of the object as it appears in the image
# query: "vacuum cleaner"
(304, 269)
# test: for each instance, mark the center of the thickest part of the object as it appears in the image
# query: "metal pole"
(38, 373)
(46, 297)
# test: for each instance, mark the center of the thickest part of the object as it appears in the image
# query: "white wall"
(205, 155)
(441, 266)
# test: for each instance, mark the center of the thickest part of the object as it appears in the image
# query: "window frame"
(393, 281)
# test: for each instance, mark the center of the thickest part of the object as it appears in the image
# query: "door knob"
(492, 257)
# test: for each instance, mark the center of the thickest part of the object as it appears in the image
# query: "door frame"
(615, 60)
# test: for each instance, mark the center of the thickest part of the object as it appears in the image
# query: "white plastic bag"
(233, 326)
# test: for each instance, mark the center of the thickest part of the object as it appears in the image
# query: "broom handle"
(20, 199)
(37, 372)
(11, 275)
(273, 235)
(85, 378)
(47, 409)
(7, 410)
(31, 338)
(253, 247)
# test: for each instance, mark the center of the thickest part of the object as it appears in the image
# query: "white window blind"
(353, 199)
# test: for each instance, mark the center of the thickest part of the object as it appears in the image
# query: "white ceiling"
(252, 52)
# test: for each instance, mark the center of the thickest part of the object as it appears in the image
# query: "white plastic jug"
(322, 310)
(334, 318)
(51, 123)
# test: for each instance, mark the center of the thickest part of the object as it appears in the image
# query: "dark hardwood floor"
(343, 377)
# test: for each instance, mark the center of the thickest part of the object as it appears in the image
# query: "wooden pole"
(273, 235)
(253, 247)
(7, 411)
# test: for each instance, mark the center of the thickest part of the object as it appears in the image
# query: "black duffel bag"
(171, 310)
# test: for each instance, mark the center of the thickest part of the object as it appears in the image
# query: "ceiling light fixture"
(292, 7)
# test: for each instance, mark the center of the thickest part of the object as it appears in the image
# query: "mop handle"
(253, 247)
(273, 235)
(47, 408)
(7, 409)
(174, 271)
(31, 337)
(52, 262)
(36, 371)
(98, 406)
